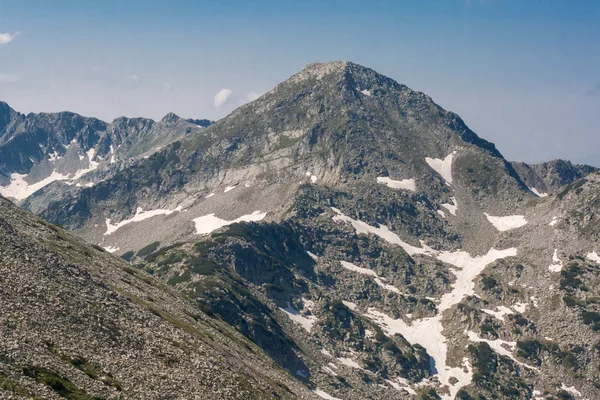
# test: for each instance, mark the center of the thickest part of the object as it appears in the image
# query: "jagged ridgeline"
(366, 241)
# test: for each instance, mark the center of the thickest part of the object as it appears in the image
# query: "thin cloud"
(252, 96)
(5, 78)
(222, 96)
(135, 78)
(6, 38)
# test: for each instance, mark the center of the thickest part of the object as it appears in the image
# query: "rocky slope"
(55, 151)
(549, 176)
(78, 323)
(369, 242)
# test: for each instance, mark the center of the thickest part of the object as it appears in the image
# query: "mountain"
(78, 323)
(368, 241)
(37, 150)
(548, 177)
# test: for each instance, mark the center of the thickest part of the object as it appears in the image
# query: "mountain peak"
(170, 118)
(346, 69)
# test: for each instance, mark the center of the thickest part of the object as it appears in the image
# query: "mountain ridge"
(368, 241)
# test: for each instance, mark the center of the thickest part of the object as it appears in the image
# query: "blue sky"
(524, 74)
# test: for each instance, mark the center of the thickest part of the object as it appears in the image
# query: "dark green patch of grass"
(151, 248)
(62, 386)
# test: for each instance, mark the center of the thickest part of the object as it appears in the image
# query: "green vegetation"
(62, 386)
(8, 384)
(186, 276)
(488, 282)
(128, 256)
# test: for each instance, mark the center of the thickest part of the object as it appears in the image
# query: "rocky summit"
(340, 237)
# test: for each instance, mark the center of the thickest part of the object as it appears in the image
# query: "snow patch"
(443, 214)
(54, 156)
(553, 222)
(348, 362)
(500, 346)
(571, 390)
(451, 207)
(19, 189)
(401, 384)
(228, 188)
(111, 249)
(208, 223)
(383, 232)
(506, 223)
(352, 267)
(312, 177)
(140, 215)
(406, 184)
(520, 307)
(593, 256)
(502, 311)
(364, 91)
(442, 167)
(210, 195)
(391, 288)
(538, 194)
(324, 395)
(370, 272)
(305, 321)
(313, 256)
(557, 264)
(349, 304)
(112, 155)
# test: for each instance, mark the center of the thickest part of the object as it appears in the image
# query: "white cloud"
(252, 96)
(222, 96)
(5, 78)
(135, 78)
(8, 37)
(167, 86)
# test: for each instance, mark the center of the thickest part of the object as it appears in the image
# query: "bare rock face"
(550, 176)
(367, 241)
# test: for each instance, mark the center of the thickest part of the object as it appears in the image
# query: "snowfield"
(208, 223)
(19, 189)
(428, 331)
(507, 223)
(140, 215)
(442, 167)
(406, 184)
